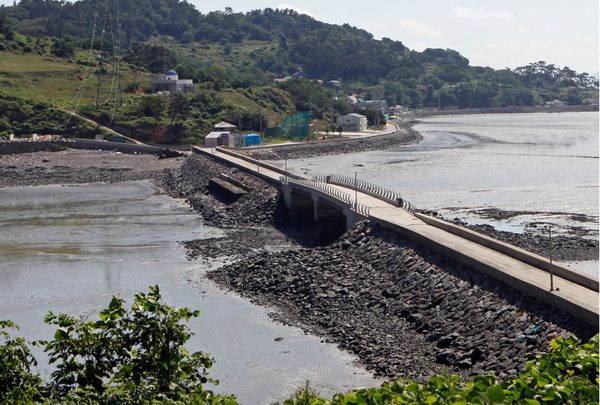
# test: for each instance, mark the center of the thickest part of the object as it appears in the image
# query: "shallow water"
(523, 162)
(70, 249)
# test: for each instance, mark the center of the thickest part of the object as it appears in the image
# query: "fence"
(297, 127)
(393, 197)
(329, 190)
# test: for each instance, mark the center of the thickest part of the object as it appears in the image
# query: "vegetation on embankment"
(566, 375)
(23, 117)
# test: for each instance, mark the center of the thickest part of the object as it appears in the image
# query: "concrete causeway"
(574, 291)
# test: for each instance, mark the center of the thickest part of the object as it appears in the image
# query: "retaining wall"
(510, 110)
(522, 255)
(30, 147)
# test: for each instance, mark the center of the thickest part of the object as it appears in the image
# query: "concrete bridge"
(338, 202)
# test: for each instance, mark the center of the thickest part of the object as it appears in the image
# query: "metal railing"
(329, 190)
(393, 197)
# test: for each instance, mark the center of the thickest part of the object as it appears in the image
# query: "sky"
(499, 34)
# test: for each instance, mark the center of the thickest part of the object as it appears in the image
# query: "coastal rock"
(440, 314)
(374, 293)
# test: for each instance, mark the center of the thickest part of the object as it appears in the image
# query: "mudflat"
(403, 309)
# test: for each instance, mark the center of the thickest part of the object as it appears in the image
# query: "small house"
(353, 122)
(224, 126)
(215, 139)
(170, 83)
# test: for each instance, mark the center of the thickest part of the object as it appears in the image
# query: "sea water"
(543, 164)
(70, 249)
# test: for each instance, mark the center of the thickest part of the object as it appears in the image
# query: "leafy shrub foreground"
(566, 375)
(137, 356)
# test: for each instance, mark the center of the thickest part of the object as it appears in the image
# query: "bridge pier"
(332, 221)
(310, 206)
(300, 206)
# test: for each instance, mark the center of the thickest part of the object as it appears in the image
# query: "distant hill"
(224, 50)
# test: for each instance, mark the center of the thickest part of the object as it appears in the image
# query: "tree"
(179, 107)
(64, 48)
(152, 106)
(154, 58)
(573, 97)
(132, 355)
(17, 383)
(282, 42)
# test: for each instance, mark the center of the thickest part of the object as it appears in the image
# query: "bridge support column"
(300, 205)
(331, 219)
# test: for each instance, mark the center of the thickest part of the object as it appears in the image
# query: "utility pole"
(118, 90)
(355, 190)
(165, 74)
(134, 72)
(101, 68)
(550, 256)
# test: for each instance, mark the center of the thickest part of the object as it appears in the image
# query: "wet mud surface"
(401, 308)
(575, 239)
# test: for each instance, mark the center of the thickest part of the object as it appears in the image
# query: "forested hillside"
(227, 51)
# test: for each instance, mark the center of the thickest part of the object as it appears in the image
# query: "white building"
(353, 122)
(219, 138)
(170, 82)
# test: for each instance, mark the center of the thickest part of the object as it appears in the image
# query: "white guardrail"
(329, 190)
(393, 197)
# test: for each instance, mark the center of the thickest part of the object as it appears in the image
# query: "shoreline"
(358, 293)
(512, 110)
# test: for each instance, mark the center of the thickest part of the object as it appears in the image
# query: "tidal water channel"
(70, 249)
(542, 167)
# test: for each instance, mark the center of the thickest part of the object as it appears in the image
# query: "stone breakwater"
(403, 309)
(404, 136)
(260, 206)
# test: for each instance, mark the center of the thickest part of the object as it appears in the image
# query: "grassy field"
(40, 78)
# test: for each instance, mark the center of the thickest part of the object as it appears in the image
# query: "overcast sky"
(499, 34)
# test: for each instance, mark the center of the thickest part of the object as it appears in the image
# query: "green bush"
(566, 375)
(137, 356)
(127, 356)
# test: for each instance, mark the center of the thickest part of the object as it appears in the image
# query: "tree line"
(325, 51)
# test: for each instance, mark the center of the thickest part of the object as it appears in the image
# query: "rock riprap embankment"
(401, 308)
(404, 136)
(259, 206)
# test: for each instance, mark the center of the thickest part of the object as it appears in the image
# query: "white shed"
(353, 122)
(215, 139)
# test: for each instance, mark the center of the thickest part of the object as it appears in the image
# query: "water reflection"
(69, 249)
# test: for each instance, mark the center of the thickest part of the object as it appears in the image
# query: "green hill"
(93, 55)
